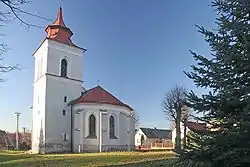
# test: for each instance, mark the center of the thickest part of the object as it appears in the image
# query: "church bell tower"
(57, 81)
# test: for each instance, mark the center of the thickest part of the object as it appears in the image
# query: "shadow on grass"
(8, 156)
(151, 163)
(90, 162)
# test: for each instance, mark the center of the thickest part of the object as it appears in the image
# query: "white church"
(66, 116)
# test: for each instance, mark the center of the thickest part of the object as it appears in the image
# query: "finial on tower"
(98, 82)
(60, 3)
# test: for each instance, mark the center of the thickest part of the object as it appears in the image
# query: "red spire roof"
(101, 96)
(59, 20)
(59, 31)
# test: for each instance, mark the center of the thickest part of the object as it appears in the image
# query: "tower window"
(64, 112)
(82, 93)
(64, 66)
(65, 98)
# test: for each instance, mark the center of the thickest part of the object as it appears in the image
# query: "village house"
(152, 138)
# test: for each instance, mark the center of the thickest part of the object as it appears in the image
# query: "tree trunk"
(185, 136)
(178, 130)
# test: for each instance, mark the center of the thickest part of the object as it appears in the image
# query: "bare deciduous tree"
(5, 68)
(136, 118)
(172, 105)
(11, 10)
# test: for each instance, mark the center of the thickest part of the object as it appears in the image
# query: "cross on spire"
(98, 82)
(60, 3)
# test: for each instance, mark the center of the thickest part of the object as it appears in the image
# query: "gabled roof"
(157, 133)
(195, 125)
(101, 96)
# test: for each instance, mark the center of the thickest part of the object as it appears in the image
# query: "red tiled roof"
(101, 96)
(59, 31)
(195, 126)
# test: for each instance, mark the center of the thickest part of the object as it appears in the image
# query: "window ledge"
(91, 137)
(113, 137)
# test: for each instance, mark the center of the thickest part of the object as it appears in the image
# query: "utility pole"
(17, 128)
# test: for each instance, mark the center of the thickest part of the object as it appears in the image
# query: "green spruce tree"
(226, 108)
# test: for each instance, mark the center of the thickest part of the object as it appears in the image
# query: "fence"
(156, 146)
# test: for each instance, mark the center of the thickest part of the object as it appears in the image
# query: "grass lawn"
(115, 159)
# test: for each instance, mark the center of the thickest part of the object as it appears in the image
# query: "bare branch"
(13, 6)
(173, 100)
(9, 68)
(8, 9)
(136, 118)
(173, 106)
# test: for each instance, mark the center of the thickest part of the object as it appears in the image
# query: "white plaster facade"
(124, 128)
(49, 124)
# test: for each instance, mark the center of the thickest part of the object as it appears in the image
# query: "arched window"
(92, 126)
(112, 127)
(64, 66)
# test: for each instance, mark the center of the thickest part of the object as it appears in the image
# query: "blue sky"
(137, 49)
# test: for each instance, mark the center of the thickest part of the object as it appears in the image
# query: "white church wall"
(76, 129)
(71, 54)
(38, 113)
(57, 124)
(122, 125)
(39, 94)
(53, 89)
(40, 61)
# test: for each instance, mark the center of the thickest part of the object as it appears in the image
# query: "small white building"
(66, 116)
(152, 135)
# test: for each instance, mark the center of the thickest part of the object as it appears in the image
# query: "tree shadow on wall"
(41, 140)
